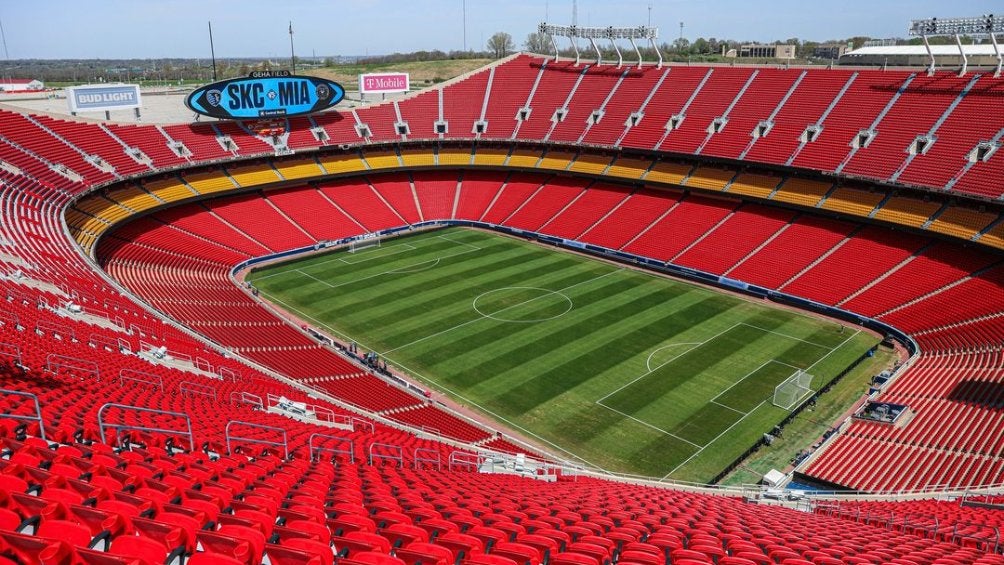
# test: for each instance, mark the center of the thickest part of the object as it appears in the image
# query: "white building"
(20, 84)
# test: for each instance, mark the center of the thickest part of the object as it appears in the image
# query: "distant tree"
(681, 45)
(537, 42)
(500, 44)
(700, 46)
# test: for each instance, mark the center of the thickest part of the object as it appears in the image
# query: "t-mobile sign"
(383, 83)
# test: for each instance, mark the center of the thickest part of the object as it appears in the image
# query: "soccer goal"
(357, 245)
(793, 390)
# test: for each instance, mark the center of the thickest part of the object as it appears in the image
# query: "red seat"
(370, 558)
(462, 545)
(423, 553)
(573, 558)
(521, 553)
(208, 558)
(285, 555)
(488, 559)
(314, 547)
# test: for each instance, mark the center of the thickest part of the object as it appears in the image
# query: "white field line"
(648, 360)
(699, 451)
(469, 322)
(402, 248)
(668, 361)
(432, 383)
(729, 407)
(765, 330)
(675, 469)
(648, 425)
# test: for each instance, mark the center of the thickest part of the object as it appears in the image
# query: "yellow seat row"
(962, 222)
(556, 160)
(591, 164)
(344, 163)
(490, 157)
(853, 201)
(383, 160)
(802, 192)
(169, 190)
(299, 169)
(210, 182)
(907, 211)
(524, 158)
(994, 236)
(454, 157)
(669, 173)
(133, 198)
(757, 186)
(418, 158)
(629, 168)
(254, 175)
(710, 178)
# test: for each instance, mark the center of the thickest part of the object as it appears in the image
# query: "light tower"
(987, 25)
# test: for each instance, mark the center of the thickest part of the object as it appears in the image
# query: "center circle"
(522, 304)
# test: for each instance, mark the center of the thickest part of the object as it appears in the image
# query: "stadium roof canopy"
(982, 55)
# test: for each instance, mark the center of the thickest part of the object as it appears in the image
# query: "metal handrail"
(54, 362)
(141, 377)
(11, 350)
(244, 397)
(351, 451)
(426, 455)
(188, 387)
(465, 460)
(102, 424)
(38, 410)
(230, 438)
(387, 456)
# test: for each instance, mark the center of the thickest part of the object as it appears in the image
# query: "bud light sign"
(265, 94)
(383, 83)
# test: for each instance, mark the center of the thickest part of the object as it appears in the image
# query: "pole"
(292, 55)
(212, 50)
(463, 5)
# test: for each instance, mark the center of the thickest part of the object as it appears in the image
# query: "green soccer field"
(621, 369)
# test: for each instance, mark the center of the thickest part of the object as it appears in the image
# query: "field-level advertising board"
(793, 391)
(265, 94)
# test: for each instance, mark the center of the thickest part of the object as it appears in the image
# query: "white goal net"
(793, 390)
(357, 245)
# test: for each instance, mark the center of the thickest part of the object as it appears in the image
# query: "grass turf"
(622, 369)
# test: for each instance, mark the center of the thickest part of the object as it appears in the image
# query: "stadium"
(540, 313)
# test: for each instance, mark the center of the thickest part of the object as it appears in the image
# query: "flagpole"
(212, 50)
(292, 56)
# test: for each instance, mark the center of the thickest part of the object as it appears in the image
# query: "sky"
(142, 29)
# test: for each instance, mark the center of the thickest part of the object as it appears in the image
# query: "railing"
(315, 450)
(45, 326)
(37, 417)
(386, 452)
(11, 351)
(134, 376)
(97, 340)
(465, 461)
(424, 456)
(54, 363)
(227, 373)
(243, 397)
(119, 427)
(9, 317)
(190, 388)
(247, 439)
(203, 365)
